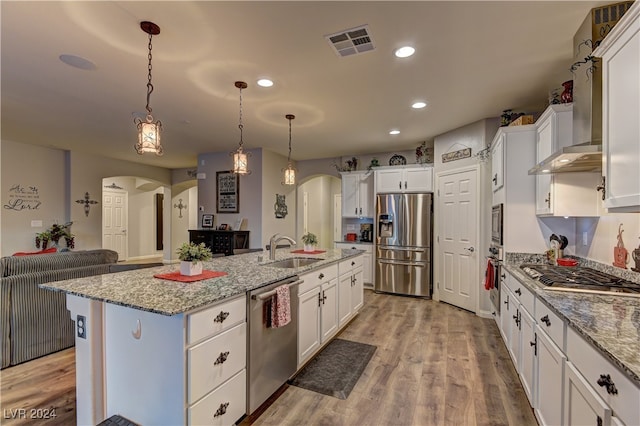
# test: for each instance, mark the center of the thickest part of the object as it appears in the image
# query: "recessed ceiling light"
(546, 171)
(564, 160)
(265, 82)
(78, 62)
(419, 105)
(405, 52)
(394, 132)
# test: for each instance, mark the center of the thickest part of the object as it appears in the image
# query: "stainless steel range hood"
(585, 152)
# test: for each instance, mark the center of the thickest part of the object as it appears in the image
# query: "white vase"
(190, 268)
(308, 247)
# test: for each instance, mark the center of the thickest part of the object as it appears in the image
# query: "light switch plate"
(584, 238)
(36, 224)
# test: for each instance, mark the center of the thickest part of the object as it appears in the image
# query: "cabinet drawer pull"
(221, 410)
(518, 292)
(321, 276)
(605, 380)
(535, 345)
(545, 319)
(353, 263)
(221, 358)
(495, 179)
(221, 317)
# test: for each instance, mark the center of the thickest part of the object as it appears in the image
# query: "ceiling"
(473, 60)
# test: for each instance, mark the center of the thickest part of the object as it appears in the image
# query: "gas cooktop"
(580, 279)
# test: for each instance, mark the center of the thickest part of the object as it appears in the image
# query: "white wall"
(33, 188)
(320, 190)
(251, 194)
(272, 177)
(602, 235)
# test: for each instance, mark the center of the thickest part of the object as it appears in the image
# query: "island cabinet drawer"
(317, 277)
(213, 361)
(551, 324)
(215, 319)
(594, 366)
(347, 266)
(224, 406)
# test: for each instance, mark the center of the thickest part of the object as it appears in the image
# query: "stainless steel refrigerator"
(403, 244)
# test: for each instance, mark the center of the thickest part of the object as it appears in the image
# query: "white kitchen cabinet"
(582, 405)
(620, 53)
(367, 260)
(621, 396)
(404, 179)
(497, 162)
(521, 336)
(350, 290)
(317, 310)
(184, 366)
(357, 194)
(550, 385)
(506, 311)
(562, 194)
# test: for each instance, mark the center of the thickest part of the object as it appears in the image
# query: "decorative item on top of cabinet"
(566, 96)
(424, 154)
(397, 160)
(635, 255)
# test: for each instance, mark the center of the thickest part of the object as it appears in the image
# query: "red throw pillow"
(27, 253)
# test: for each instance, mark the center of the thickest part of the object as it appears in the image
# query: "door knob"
(471, 249)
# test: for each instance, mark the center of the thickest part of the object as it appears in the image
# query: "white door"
(458, 224)
(114, 222)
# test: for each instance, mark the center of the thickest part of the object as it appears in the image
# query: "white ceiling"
(473, 60)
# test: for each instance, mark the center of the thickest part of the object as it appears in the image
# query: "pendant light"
(289, 172)
(148, 130)
(239, 156)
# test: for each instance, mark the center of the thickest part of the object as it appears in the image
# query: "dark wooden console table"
(220, 241)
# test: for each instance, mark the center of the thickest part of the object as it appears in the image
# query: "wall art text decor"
(23, 198)
(227, 192)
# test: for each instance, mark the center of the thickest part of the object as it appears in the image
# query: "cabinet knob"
(221, 358)
(221, 317)
(221, 410)
(518, 292)
(545, 319)
(321, 276)
(353, 263)
(548, 200)
(605, 380)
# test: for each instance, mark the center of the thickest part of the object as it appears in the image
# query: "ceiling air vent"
(351, 42)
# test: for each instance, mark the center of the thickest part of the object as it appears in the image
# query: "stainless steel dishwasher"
(272, 353)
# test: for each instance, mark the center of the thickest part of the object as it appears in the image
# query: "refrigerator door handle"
(401, 263)
(392, 248)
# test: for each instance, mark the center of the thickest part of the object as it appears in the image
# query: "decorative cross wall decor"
(180, 206)
(87, 203)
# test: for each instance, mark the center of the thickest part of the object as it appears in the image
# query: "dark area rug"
(336, 369)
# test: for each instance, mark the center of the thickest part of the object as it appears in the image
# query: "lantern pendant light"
(239, 156)
(289, 172)
(148, 130)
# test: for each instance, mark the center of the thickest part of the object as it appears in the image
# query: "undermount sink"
(293, 262)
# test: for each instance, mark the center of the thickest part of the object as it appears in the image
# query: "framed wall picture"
(207, 221)
(227, 192)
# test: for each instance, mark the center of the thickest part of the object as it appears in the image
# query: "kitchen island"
(148, 348)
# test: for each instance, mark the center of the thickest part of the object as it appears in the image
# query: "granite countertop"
(140, 290)
(355, 242)
(610, 323)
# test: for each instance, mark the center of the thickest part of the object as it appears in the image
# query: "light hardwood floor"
(435, 364)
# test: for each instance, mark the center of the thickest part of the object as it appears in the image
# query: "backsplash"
(627, 274)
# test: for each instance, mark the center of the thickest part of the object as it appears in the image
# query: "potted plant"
(191, 256)
(310, 241)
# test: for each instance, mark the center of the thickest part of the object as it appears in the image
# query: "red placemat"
(308, 252)
(175, 276)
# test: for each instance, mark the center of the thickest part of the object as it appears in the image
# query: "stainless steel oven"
(496, 224)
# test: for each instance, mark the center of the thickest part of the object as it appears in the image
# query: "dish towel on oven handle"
(488, 276)
(281, 307)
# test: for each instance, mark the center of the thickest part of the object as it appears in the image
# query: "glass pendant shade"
(240, 162)
(149, 136)
(289, 175)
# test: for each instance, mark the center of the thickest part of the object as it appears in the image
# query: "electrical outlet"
(81, 326)
(36, 224)
(584, 238)
(351, 227)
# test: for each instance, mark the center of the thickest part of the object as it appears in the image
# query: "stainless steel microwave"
(496, 224)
